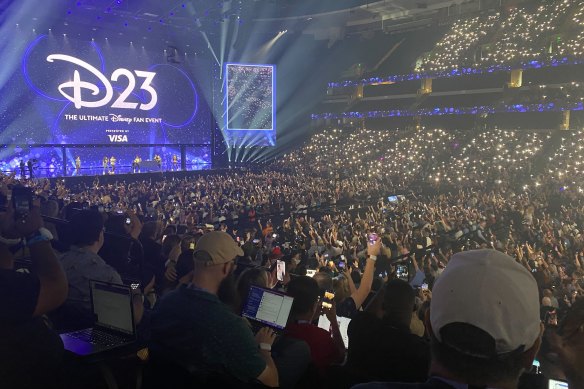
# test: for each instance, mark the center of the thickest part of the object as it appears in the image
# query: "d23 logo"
(77, 85)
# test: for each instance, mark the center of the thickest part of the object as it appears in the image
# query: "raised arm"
(360, 295)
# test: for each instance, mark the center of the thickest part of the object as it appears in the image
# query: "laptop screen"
(112, 306)
(267, 307)
(555, 384)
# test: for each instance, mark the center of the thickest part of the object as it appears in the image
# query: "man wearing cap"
(194, 325)
(483, 322)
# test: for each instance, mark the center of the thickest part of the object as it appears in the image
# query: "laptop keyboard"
(256, 326)
(97, 337)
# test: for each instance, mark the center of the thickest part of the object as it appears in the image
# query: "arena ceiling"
(264, 14)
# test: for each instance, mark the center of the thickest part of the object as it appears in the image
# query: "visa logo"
(118, 138)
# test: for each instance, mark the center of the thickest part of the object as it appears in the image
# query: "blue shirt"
(82, 265)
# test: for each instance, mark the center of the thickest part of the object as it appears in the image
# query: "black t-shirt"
(30, 353)
(380, 351)
(18, 296)
(347, 308)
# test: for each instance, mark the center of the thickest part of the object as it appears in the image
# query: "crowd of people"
(407, 158)
(574, 45)
(456, 47)
(519, 35)
(375, 217)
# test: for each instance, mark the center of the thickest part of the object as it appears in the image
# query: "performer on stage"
(22, 169)
(158, 160)
(136, 164)
(30, 168)
(77, 165)
(105, 164)
(113, 164)
(174, 162)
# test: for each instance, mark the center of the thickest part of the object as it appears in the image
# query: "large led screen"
(250, 105)
(74, 92)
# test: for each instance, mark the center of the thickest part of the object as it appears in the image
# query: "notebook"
(265, 307)
(114, 321)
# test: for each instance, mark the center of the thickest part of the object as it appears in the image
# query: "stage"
(88, 180)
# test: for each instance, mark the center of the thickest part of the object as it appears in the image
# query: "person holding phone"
(350, 305)
(381, 344)
(326, 348)
(30, 353)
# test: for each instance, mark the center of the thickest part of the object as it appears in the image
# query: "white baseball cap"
(489, 290)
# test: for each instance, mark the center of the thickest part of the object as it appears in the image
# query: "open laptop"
(114, 321)
(267, 308)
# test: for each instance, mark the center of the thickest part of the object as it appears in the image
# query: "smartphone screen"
(341, 264)
(372, 238)
(402, 272)
(22, 200)
(327, 300)
(280, 270)
(21, 204)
